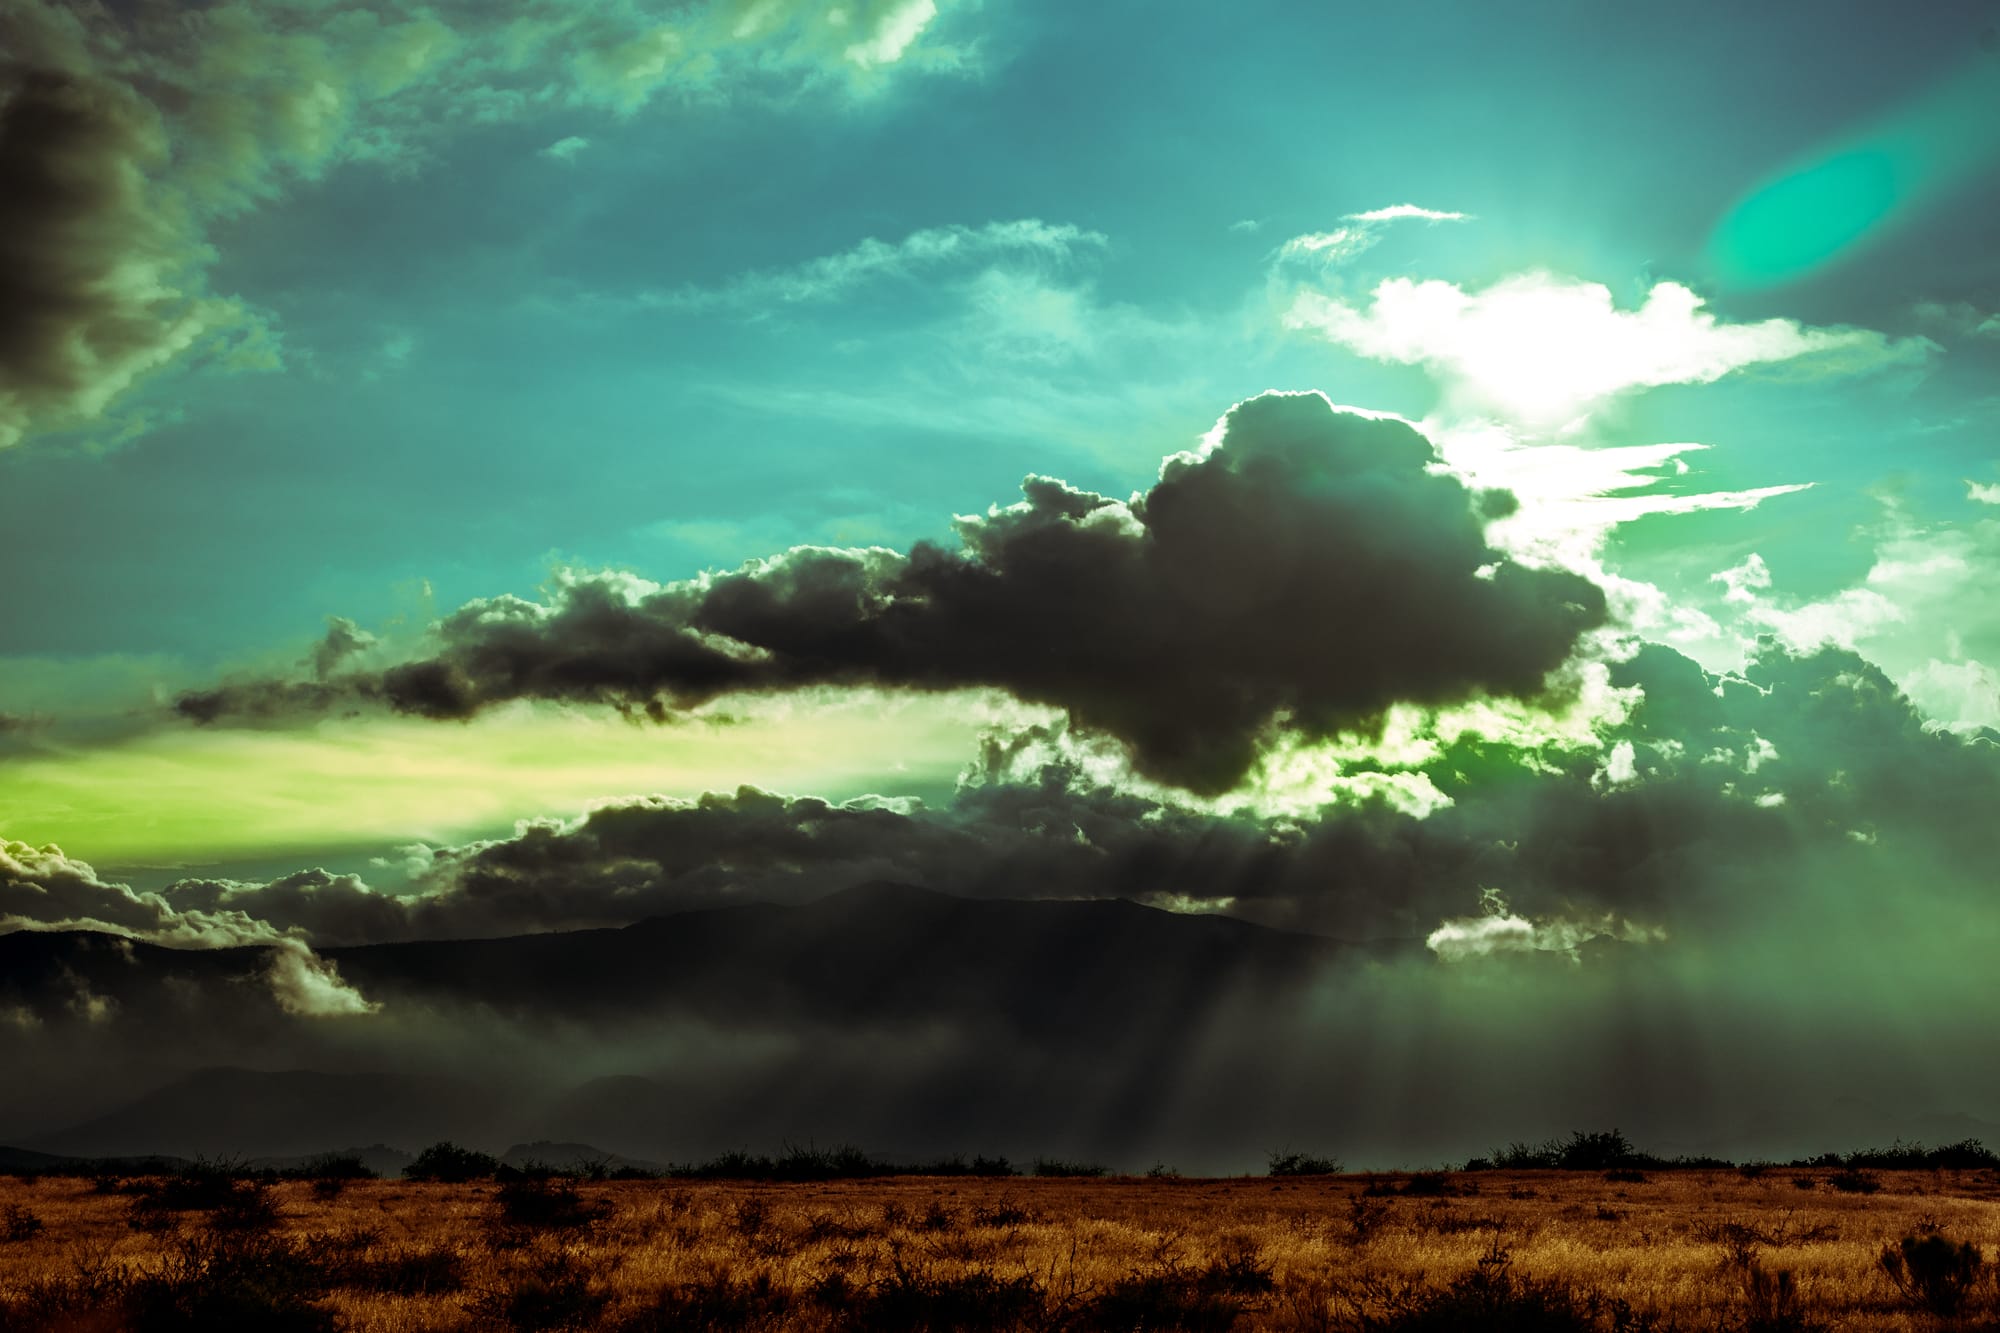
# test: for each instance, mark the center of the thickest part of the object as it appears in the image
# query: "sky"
(1523, 477)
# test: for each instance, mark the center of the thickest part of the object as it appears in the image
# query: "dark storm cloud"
(1734, 793)
(1313, 568)
(87, 258)
(39, 886)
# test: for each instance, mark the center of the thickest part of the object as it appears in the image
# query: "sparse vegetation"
(447, 1163)
(1933, 1271)
(1689, 1252)
(1284, 1162)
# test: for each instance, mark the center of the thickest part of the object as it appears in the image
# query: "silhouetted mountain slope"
(877, 953)
(239, 1113)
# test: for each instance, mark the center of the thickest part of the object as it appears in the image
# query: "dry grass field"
(1689, 1250)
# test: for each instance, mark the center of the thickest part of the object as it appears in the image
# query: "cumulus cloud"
(1703, 798)
(1307, 569)
(1921, 610)
(1539, 350)
(126, 134)
(41, 887)
(1983, 492)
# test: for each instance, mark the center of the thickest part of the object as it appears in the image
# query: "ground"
(1682, 1250)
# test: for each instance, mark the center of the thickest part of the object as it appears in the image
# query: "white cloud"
(831, 276)
(1328, 248)
(1982, 492)
(889, 32)
(309, 986)
(1540, 350)
(1397, 212)
(566, 148)
(1743, 582)
(1958, 695)
(1500, 930)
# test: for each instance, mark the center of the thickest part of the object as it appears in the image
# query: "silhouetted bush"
(957, 1166)
(556, 1291)
(795, 1164)
(1492, 1299)
(18, 1223)
(434, 1270)
(715, 1306)
(214, 1281)
(1851, 1181)
(1287, 1163)
(234, 1203)
(1047, 1166)
(330, 1166)
(448, 1163)
(910, 1301)
(1932, 1270)
(547, 1204)
(1163, 1301)
(1965, 1155)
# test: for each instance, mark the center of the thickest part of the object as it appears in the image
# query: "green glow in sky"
(1829, 206)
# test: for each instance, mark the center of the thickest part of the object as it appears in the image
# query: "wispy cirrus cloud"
(932, 249)
(1362, 232)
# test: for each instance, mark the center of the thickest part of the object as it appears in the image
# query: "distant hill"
(900, 1017)
(879, 952)
(283, 1117)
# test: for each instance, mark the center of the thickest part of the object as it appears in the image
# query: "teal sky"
(491, 326)
(1514, 485)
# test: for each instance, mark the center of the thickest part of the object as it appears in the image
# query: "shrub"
(430, 1271)
(1046, 1166)
(718, 1304)
(548, 1204)
(215, 1280)
(450, 1164)
(1287, 1163)
(18, 1223)
(556, 1291)
(1932, 1270)
(909, 1301)
(234, 1203)
(1851, 1181)
(1490, 1298)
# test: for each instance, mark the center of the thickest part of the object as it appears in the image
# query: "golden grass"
(1678, 1245)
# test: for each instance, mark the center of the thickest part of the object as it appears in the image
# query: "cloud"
(1539, 350)
(41, 887)
(1500, 930)
(1399, 212)
(1328, 248)
(833, 276)
(1983, 493)
(1921, 610)
(1305, 570)
(308, 986)
(127, 134)
(1707, 799)
(566, 148)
